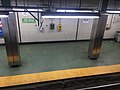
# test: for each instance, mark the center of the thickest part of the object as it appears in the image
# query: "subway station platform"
(58, 61)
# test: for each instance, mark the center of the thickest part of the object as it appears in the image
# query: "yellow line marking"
(57, 75)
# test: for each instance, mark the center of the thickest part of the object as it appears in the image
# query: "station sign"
(28, 20)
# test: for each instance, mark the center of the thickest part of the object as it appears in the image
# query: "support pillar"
(11, 41)
(96, 38)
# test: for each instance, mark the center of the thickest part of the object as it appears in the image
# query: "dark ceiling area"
(78, 4)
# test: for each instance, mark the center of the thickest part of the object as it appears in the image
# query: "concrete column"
(97, 37)
(11, 41)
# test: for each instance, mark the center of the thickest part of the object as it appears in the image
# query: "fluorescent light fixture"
(89, 17)
(3, 15)
(110, 11)
(10, 12)
(41, 10)
(34, 9)
(19, 9)
(95, 11)
(62, 10)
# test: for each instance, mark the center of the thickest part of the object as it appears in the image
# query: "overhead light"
(34, 9)
(96, 11)
(69, 15)
(110, 11)
(73, 10)
(41, 10)
(62, 10)
(3, 15)
(20, 9)
(10, 12)
(89, 17)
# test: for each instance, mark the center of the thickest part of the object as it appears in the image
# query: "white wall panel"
(31, 33)
(115, 26)
(68, 32)
(84, 30)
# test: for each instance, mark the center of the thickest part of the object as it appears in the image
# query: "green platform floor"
(58, 56)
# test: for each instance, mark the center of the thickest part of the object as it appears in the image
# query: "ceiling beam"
(6, 3)
(103, 6)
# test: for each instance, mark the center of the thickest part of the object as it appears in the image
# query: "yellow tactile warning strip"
(57, 75)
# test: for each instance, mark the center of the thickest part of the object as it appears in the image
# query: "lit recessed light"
(19, 9)
(62, 10)
(110, 11)
(3, 15)
(89, 17)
